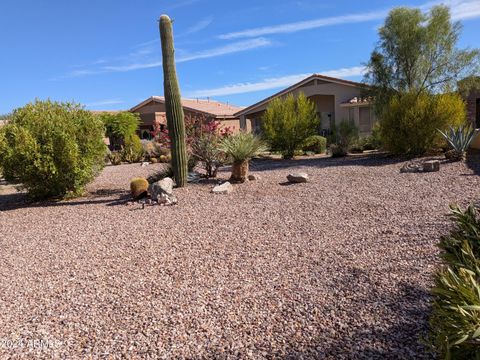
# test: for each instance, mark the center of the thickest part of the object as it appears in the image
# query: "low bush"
(288, 121)
(337, 151)
(315, 143)
(207, 150)
(455, 319)
(410, 122)
(132, 151)
(53, 149)
(119, 126)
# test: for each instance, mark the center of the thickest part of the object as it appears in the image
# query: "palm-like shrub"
(459, 139)
(455, 319)
(288, 121)
(240, 148)
(53, 149)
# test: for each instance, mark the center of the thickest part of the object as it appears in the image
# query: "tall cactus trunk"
(173, 104)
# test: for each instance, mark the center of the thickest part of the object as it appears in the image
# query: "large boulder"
(162, 191)
(225, 188)
(297, 178)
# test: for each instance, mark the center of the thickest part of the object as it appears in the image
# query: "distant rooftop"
(208, 106)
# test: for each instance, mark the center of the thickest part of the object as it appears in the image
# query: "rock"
(225, 188)
(145, 163)
(411, 167)
(253, 177)
(162, 191)
(431, 166)
(162, 186)
(297, 178)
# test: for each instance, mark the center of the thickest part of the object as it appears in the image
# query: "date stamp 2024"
(23, 343)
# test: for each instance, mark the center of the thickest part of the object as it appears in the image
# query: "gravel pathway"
(337, 268)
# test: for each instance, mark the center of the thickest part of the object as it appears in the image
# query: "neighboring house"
(336, 100)
(473, 114)
(152, 113)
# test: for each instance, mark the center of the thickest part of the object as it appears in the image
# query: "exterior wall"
(153, 113)
(473, 108)
(476, 142)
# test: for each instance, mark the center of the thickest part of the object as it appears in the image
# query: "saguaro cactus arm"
(173, 104)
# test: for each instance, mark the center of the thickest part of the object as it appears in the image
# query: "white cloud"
(232, 48)
(461, 9)
(142, 58)
(199, 26)
(105, 102)
(273, 83)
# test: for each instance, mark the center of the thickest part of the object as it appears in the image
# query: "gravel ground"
(337, 268)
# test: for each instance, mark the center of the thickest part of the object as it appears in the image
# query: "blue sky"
(106, 54)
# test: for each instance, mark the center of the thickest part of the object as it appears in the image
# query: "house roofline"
(297, 85)
(162, 101)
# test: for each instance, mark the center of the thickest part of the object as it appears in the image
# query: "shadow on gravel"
(399, 319)
(373, 159)
(109, 197)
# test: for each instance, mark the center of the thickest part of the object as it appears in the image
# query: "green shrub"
(410, 122)
(337, 151)
(206, 150)
(133, 150)
(455, 318)
(344, 136)
(315, 143)
(288, 121)
(53, 149)
(119, 126)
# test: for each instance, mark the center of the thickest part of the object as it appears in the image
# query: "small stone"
(145, 163)
(253, 177)
(225, 188)
(431, 166)
(297, 178)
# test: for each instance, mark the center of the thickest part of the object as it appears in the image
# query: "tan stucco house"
(336, 100)
(152, 113)
(473, 114)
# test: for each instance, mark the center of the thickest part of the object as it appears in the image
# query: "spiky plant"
(173, 104)
(240, 148)
(459, 140)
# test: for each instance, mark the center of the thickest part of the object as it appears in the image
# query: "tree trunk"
(239, 171)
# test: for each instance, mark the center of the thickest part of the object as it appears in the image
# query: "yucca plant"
(459, 140)
(240, 148)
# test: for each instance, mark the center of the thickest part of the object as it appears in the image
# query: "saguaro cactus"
(173, 104)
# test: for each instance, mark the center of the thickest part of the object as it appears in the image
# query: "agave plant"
(459, 139)
(240, 148)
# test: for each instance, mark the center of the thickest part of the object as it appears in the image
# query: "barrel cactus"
(173, 105)
(138, 187)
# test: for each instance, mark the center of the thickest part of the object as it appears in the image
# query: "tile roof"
(358, 100)
(212, 107)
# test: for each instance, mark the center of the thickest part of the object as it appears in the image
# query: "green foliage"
(344, 135)
(288, 121)
(315, 143)
(455, 318)
(133, 150)
(409, 124)
(115, 157)
(242, 146)
(417, 53)
(459, 139)
(337, 151)
(53, 149)
(207, 150)
(173, 105)
(466, 85)
(120, 125)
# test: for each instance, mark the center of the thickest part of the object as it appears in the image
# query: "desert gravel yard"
(337, 268)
